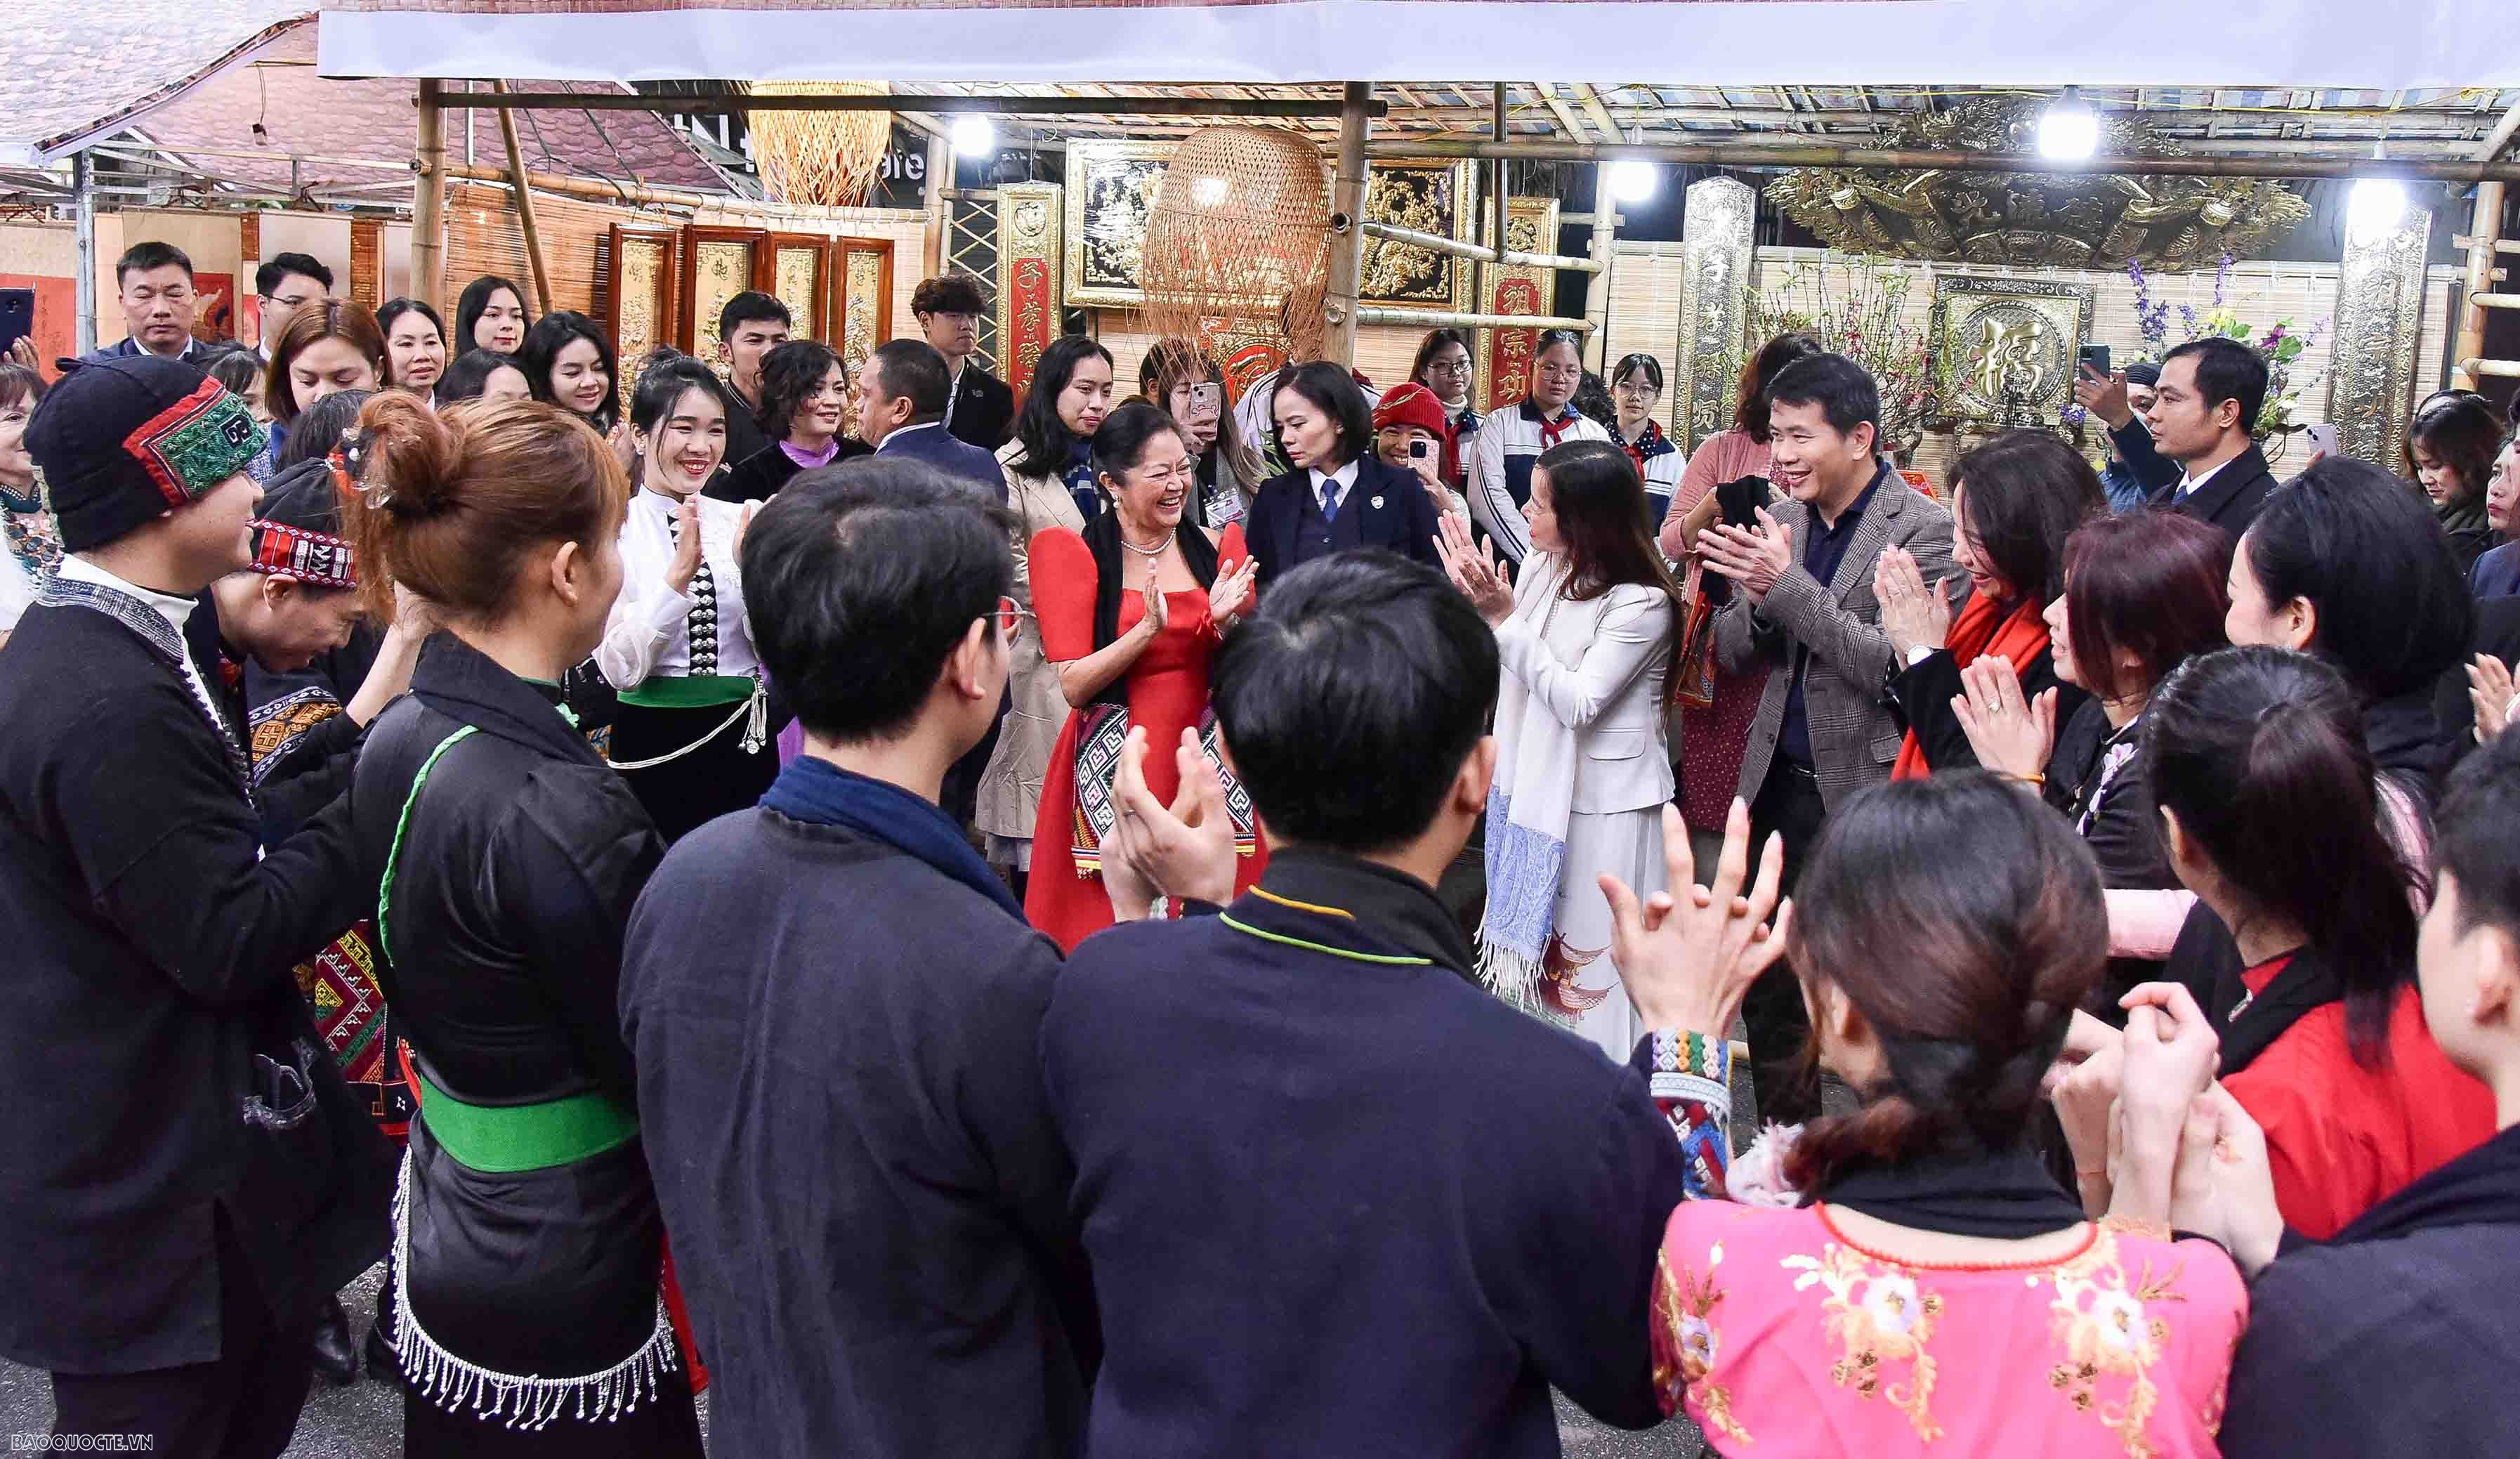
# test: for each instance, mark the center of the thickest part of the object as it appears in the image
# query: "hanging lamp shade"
(820, 159)
(1237, 247)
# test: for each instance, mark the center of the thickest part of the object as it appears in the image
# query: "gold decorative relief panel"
(2006, 348)
(1438, 198)
(722, 265)
(1029, 249)
(1111, 189)
(2379, 320)
(798, 272)
(1714, 304)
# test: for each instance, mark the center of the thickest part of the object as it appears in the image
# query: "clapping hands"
(1185, 849)
(2009, 735)
(1688, 959)
(1476, 571)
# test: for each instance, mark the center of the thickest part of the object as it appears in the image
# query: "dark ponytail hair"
(1965, 921)
(317, 432)
(1048, 444)
(2365, 551)
(2260, 755)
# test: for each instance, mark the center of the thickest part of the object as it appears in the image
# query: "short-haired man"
(286, 284)
(2203, 417)
(1804, 609)
(2136, 468)
(153, 283)
(902, 392)
(1338, 1197)
(184, 1177)
(2403, 1322)
(979, 408)
(835, 1008)
(750, 326)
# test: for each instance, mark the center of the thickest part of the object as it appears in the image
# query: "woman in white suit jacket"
(1584, 640)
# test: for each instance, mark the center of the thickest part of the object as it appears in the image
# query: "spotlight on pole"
(975, 136)
(1634, 180)
(2375, 206)
(2069, 130)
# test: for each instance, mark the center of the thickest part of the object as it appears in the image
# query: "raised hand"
(2104, 396)
(1183, 850)
(2489, 689)
(1230, 597)
(1914, 614)
(1475, 572)
(1687, 961)
(1755, 558)
(685, 562)
(2169, 1057)
(2224, 1187)
(2009, 735)
(1158, 615)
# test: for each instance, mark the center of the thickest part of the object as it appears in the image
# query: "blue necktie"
(1331, 500)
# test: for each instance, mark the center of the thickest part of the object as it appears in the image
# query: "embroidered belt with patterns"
(1099, 737)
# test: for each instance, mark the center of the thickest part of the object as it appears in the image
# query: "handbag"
(1102, 732)
(1692, 668)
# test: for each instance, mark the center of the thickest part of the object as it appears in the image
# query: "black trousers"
(1788, 805)
(243, 1404)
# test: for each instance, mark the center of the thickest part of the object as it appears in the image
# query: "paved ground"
(364, 1421)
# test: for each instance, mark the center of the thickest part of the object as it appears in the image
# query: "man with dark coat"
(183, 1174)
(1339, 1199)
(2399, 1336)
(834, 1008)
(979, 408)
(2203, 413)
(902, 393)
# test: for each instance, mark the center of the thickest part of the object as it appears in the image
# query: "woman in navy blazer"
(1340, 495)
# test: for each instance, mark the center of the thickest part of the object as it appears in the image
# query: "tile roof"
(311, 115)
(70, 65)
(222, 84)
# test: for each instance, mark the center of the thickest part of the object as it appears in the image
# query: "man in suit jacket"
(1309, 512)
(1804, 606)
(980, 409)
(2210, 395)
(901, 403)
(159, 306)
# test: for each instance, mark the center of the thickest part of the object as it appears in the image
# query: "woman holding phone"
(1409, 434)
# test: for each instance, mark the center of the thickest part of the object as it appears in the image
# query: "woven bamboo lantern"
(825, 159)
(1237, 247)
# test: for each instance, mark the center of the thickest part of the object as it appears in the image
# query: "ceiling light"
(2069, 131)
(2376, 206)
(1634, 180)
(975, 136)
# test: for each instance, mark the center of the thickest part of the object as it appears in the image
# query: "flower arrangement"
(2281, 342)
(1857, 308)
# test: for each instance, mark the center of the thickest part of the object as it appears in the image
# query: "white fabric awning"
(2454, 43)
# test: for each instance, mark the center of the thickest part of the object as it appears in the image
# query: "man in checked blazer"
(1803, 605)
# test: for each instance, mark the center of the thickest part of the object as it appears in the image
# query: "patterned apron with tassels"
(1100, 738)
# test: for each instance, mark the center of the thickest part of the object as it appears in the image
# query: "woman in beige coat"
(1050, 483)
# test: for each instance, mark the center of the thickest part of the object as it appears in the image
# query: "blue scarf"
(821, 794)
(1079, 480)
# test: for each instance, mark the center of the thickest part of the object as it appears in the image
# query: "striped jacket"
(1499, 468)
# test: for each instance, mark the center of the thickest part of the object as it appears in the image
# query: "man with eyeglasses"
(158, 305)
(1510, 441)
(287, 284)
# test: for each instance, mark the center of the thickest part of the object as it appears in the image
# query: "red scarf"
(2020, 636)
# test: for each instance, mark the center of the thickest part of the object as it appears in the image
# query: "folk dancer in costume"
(1585, 635)
(182, 1195)
(692, 735)
(1510, 441)
(527, 1245)
(1636, 386)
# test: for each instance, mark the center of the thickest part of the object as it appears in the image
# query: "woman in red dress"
(1130, 610)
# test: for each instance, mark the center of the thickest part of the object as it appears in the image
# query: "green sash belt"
(688, 691)
(503, 1139)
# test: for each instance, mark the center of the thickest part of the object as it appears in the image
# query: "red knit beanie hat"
(1410, 404)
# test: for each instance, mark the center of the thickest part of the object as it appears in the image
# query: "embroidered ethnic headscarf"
(124, 441)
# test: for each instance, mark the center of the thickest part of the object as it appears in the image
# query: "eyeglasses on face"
(1448, 367)
(1011, 617)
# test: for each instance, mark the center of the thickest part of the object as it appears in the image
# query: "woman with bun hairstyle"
(1905, 1278)
(506, 856)
(2270, 812)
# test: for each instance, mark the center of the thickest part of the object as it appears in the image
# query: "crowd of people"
(936, 917)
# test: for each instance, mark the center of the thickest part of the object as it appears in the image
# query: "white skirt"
(1587, 996)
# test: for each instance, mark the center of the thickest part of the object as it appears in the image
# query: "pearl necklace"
(1155, 551)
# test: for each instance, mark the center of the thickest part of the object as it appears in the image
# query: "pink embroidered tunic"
(1783, 1337)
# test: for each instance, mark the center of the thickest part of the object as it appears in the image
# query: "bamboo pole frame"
(2481, 248)
(1436, 318)
(1297, 108)
(1818, 155)
(1596, 289)
(1436, 242)
(524, 204)
(1347, 226)
(428, 202)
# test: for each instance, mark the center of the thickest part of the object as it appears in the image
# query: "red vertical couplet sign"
(1510, 350)
(1030, 317)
